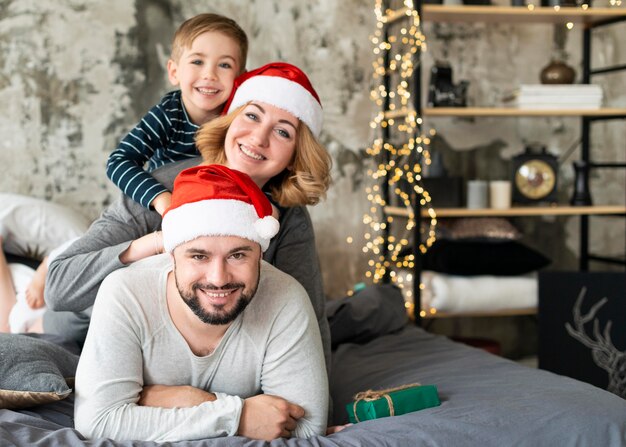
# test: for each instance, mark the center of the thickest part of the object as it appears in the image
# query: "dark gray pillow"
(33, 371)
(374, 311)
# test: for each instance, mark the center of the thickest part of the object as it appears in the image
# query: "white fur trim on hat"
(216, 217)
(293, 98)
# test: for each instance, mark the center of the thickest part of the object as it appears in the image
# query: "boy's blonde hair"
(202, 23)
(304, 182)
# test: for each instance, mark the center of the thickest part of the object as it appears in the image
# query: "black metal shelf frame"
(585, 157)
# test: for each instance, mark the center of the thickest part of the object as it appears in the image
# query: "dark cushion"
(34, 371)
(490, 229)
(468, 257)
(374, 311)
(16, 259)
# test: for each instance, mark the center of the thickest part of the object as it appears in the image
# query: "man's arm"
(75, 275)
(109, 380)
(173, 396)
(262, 417)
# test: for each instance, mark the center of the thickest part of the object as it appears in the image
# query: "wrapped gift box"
(392, 402)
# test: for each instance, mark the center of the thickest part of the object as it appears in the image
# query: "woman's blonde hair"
(305, 180)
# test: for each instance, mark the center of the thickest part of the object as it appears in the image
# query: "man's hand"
(165, 396)
(268, 417)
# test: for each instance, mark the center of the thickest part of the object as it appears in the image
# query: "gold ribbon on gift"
(371, 395)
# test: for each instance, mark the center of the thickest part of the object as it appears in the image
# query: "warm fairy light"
(569, 25)
(398, 164)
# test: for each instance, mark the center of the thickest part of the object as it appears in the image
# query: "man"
(76, 274)
(182, 345)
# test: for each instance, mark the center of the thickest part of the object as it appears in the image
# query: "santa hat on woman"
(282, 85)
(217, 201)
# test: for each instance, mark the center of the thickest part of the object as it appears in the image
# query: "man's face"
(217, 276)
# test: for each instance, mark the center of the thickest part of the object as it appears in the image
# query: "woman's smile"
(250, 153)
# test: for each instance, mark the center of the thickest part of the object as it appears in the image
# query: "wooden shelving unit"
(507, 112)
(515, 112)
(587, 19)
(557, 210)
(495, 313)
(519, 14)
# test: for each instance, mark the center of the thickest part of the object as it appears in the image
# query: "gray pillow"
(33, 371)
(374, 311)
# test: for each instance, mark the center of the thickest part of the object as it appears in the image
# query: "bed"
(485, 400)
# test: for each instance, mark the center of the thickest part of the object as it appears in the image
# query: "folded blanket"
(451, 293)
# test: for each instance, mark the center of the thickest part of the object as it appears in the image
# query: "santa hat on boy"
(217, 201)
(282, 85)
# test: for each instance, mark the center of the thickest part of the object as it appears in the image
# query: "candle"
(477, 194)
(500, 194)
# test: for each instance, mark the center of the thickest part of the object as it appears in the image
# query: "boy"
(208, 52)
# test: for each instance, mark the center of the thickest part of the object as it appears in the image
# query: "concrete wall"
(76, 75)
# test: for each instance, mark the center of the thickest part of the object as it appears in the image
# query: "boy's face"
(205, 74)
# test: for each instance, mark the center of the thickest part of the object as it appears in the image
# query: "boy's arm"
(126, 164)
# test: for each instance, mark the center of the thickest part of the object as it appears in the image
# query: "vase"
(557, 72)
(581, 196)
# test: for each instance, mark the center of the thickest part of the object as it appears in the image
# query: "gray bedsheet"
(486, 401)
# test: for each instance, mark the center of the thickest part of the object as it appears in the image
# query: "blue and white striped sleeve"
(126, 164)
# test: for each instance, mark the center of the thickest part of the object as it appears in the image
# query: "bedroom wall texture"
(76, 75)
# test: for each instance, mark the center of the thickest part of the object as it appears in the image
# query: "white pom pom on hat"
(217, 201)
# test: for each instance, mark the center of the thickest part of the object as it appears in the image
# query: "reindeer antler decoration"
(604, 353)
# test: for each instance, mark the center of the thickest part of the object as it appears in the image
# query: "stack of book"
(559, 96)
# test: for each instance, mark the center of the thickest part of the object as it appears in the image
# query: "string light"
(398, 164)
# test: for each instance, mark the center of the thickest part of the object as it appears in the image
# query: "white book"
(560, 89)
(561, 99)
(536, 106)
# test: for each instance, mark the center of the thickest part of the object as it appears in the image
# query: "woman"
(274, 117)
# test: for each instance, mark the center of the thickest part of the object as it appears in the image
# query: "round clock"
(534, 177)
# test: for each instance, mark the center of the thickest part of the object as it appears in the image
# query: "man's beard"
(216, 318)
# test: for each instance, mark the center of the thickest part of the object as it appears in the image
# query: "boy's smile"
(205, 74)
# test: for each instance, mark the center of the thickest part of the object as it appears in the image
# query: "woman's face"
(261, 141)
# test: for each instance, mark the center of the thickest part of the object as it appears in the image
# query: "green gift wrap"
(392, 402)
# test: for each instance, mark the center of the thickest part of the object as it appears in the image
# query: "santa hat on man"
(282, 85)
(217, 201)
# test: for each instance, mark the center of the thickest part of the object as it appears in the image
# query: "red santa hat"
(282, 85)
(217, 201)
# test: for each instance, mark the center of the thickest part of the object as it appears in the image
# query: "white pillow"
(451, 293)
(35, 227)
